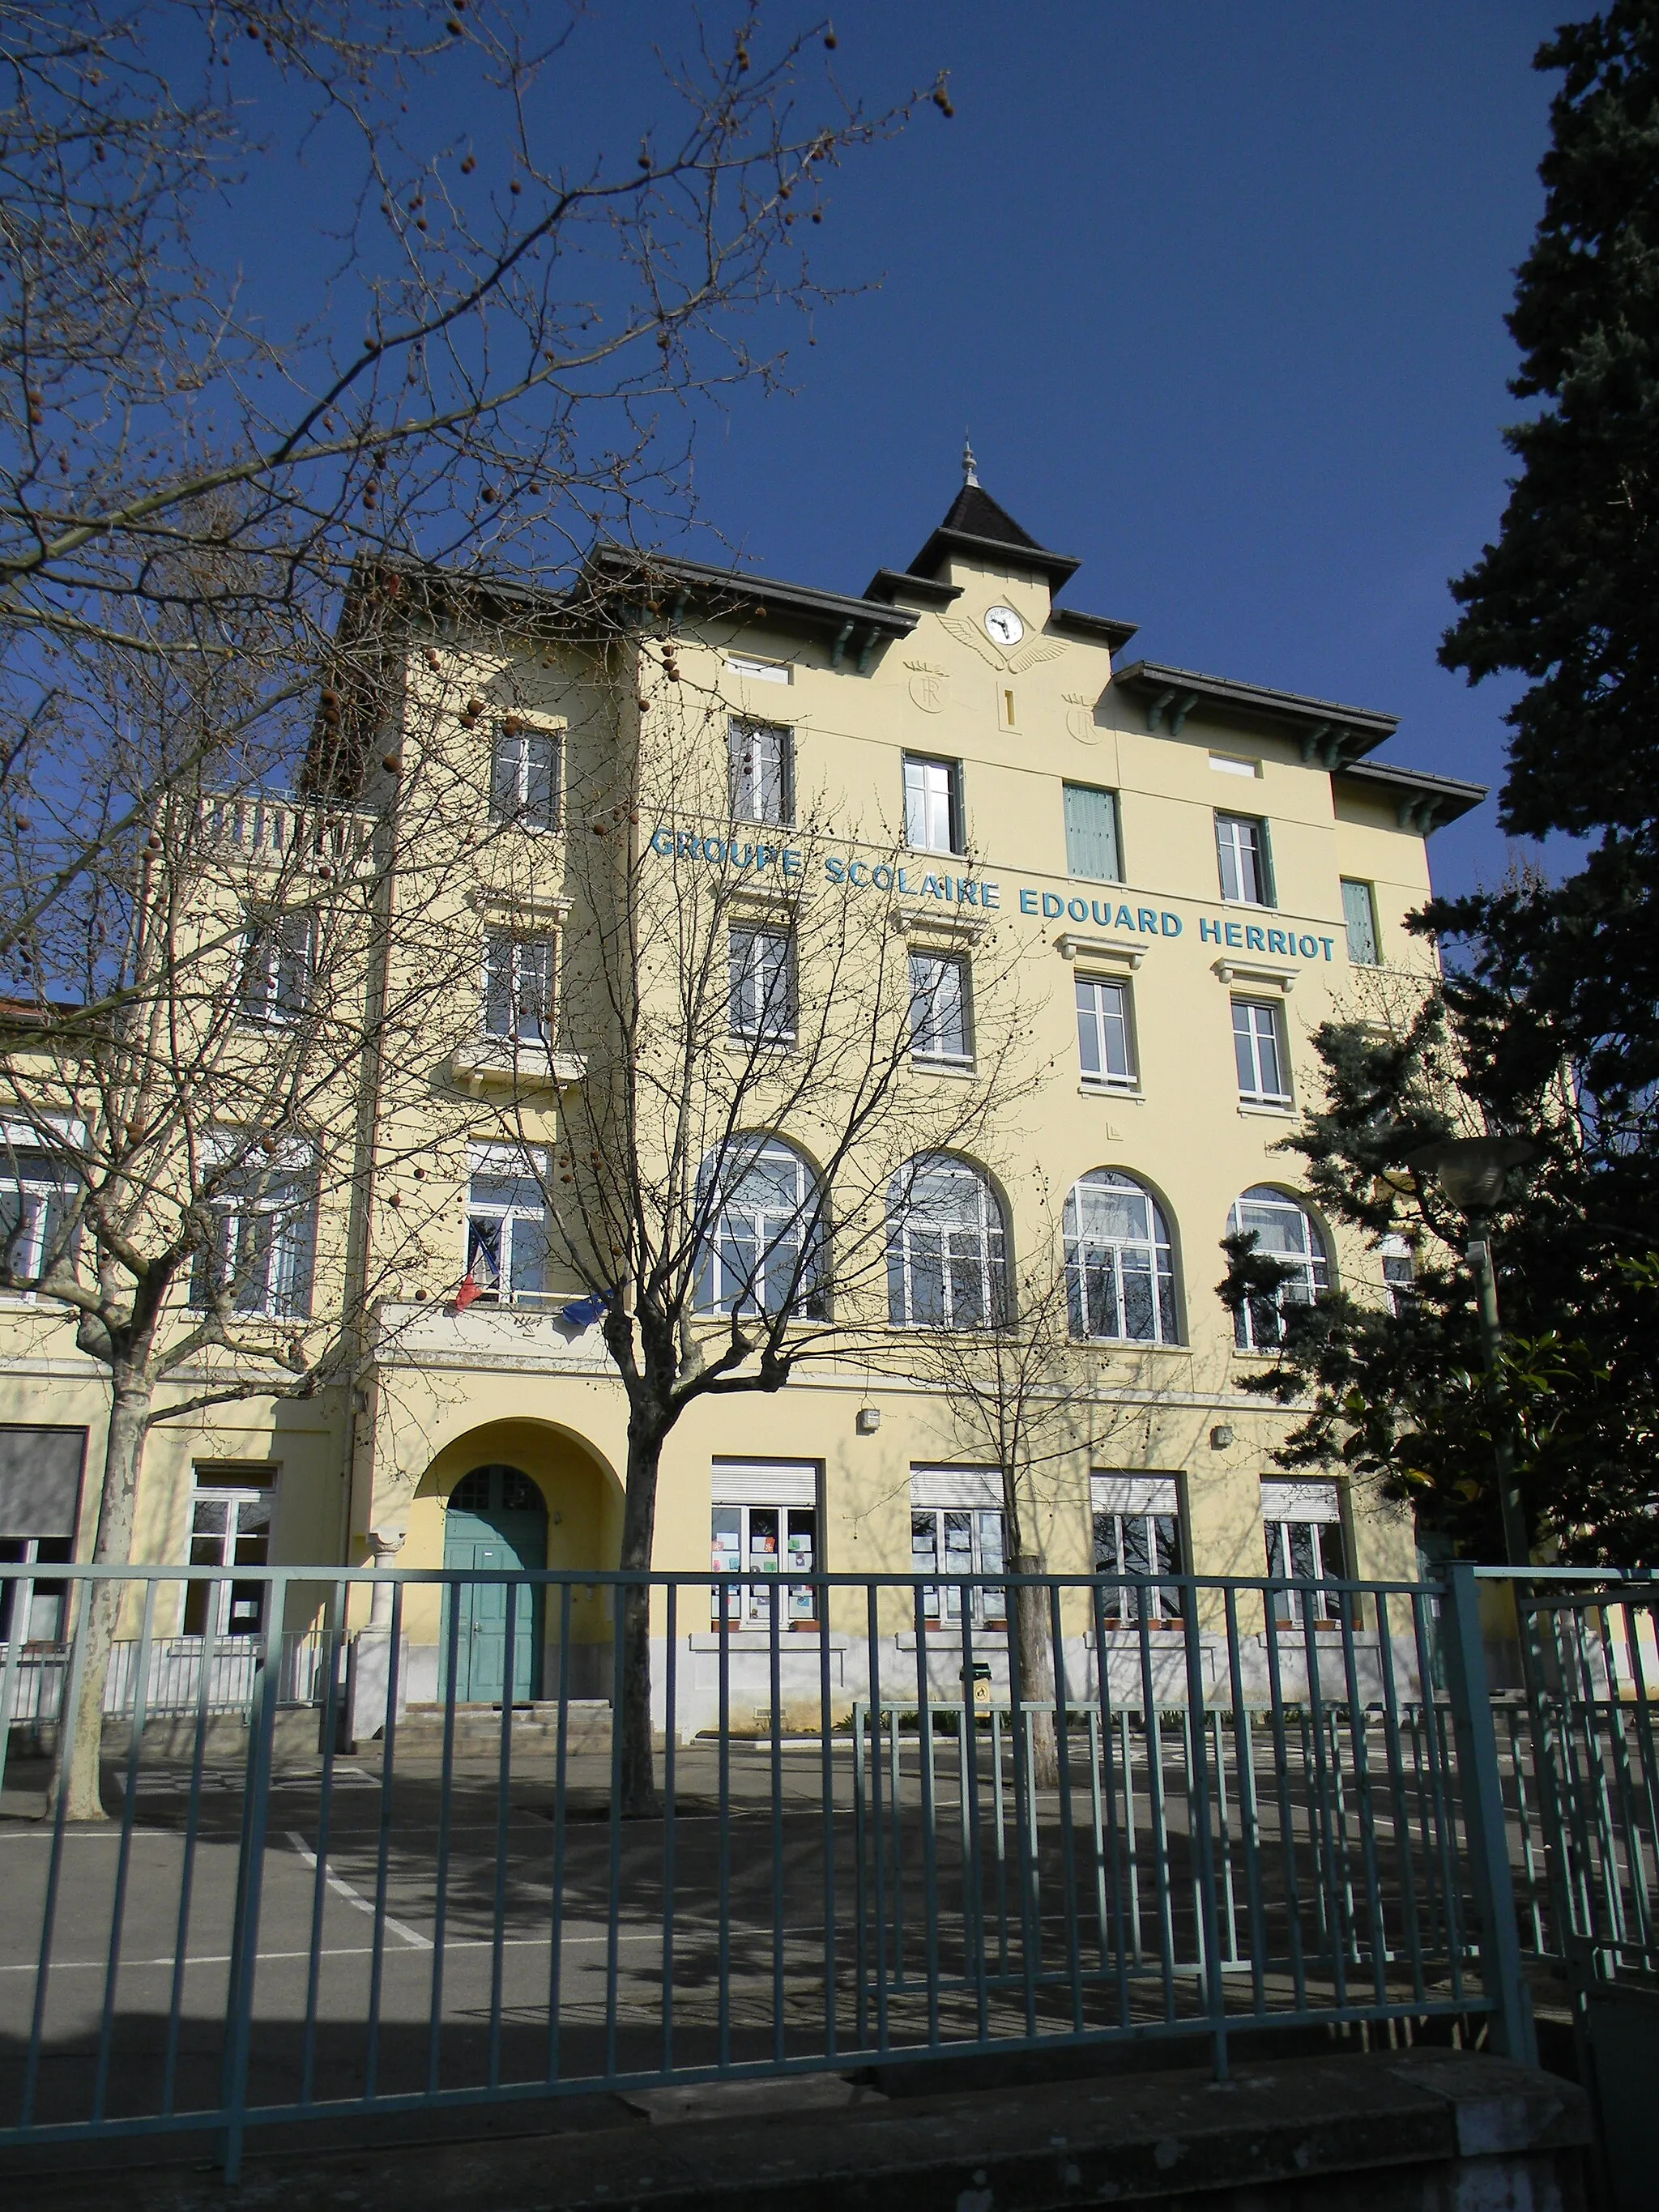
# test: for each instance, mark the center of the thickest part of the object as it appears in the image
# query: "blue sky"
(1217, 288)
(1219, 291)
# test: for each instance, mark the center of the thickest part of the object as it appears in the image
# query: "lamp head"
(1470, 1170)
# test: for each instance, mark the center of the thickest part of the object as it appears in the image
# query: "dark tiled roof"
(977, 514)
(977, 527)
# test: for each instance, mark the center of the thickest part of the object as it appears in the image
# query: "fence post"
(250, 1871)
(1484, 1821)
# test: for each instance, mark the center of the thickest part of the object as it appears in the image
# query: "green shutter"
(1092, 834)
(1361, 917)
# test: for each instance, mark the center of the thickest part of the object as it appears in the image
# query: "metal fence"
(177, 1670)
(1250, 1819)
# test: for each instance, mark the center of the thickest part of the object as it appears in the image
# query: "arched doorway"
(497, 1517)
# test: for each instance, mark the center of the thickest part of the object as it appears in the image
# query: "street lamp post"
(1470, 1171)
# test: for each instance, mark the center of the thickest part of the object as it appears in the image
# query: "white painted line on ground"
(652, 1935)
(411, 1936)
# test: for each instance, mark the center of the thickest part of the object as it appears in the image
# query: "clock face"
(1004, 625)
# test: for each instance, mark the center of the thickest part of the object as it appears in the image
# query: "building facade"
(1125, 895)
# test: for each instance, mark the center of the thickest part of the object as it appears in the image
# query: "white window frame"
(978, 1246)
(1115, 875)
(279, 953)
(236, 1612)
(1262, 1016)
(1094, 1027)
(1305, 1518)
(519, 738)
(484, 1216)
(34, 1194)
(1138, 1517)
(1314, 1260)
(285, 1291)
(1093, 1262)
(762, 790)
(41, 1596)
(1245, 855)
(744, 1237)
(1399, 1270)
(934, 820)
(532, 965)
(936, 1039)
(762, 1004)
(959, 1535)
(795, 1539)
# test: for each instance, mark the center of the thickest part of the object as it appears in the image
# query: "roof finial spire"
(969, 466)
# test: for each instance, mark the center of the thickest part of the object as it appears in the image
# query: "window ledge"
(760, 1640)
(501, 899)
(759, 1048)
(952, 1071)
(1103, 950)
(491, 1060)
(1264, 974)
(1286, 1113)
(1132, 1091)
(948, 1636)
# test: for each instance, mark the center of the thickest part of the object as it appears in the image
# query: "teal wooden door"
(496, 1520)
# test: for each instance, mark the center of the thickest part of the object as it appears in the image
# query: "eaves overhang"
(1422, 800)
(1327, 732)
(1093, 629)
(670, 588)
(996, 553)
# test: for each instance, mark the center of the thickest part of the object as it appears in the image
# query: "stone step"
(478, 1728)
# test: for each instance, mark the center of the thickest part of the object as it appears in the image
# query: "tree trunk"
(80, 1734)
(639, 1777)
(1033, 1632)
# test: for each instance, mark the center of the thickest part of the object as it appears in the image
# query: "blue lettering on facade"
(1078, 909)
(662, 843)
(854, 870)
(1028, 901)
(1209, 932)
(1256, 940)
(930, 887)
(1146, 921)
(990, 895)
(1328, 942)
(1169, 920)
(1308, 947)
(790, 861)
(1277, 941)
(1125, 919)
(835, 869)
(1235, 934)
(882, 877)
(1053, 906)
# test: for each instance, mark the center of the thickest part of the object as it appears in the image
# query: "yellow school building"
(1125, 894)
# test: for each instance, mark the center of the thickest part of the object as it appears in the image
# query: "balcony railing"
(271, 831)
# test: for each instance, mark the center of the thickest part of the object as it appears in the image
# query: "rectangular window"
(1259, 1050)
(762, 767)
(1091, 841)
(37, 1218)
(1104, 1044)
(276, 962)
(260, 1258)
(1137, 1521)
(518, 988)
(524, 776)
(506, 1227)
(1360, 913)
(960, 1540)
(763, 969)
(1241, 844)
(766, 1540)
(1398, 1272)
(940, 1028)
(933, 805)
(1303, 1525)
(230, 1517)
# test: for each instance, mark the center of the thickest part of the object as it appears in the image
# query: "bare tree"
(750, 1145)
(509, 338)
(1022, 1392)
(188, 1171)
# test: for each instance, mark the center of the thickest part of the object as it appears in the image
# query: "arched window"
(1120, 1271)
(758, 1198)
(946, 1246)
(1284, 1231)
